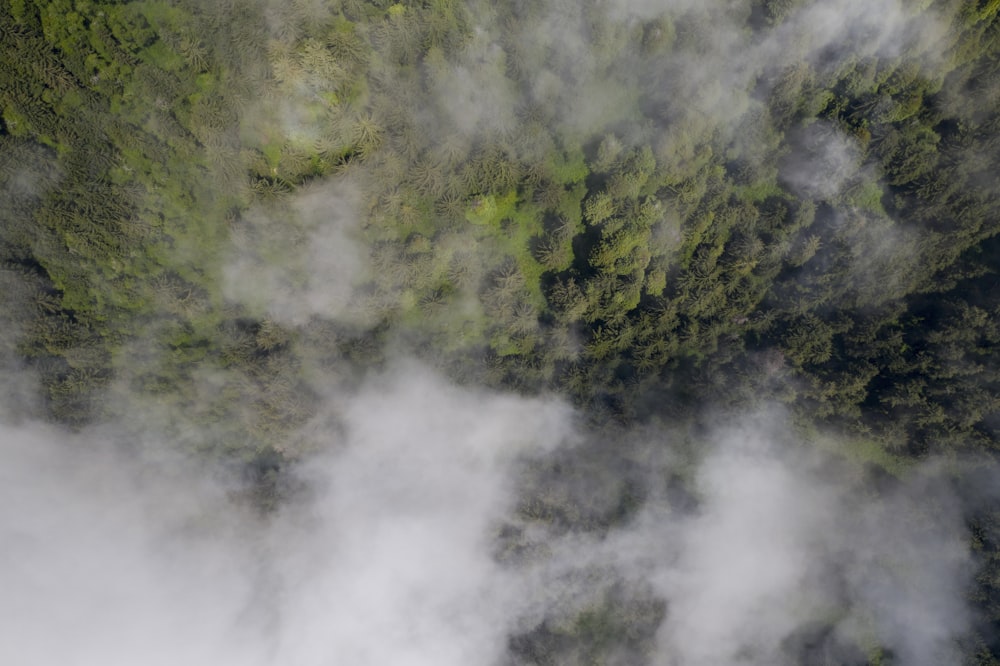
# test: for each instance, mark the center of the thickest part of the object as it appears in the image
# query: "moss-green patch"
(162, 14)
(160, 55)
(759, 191)
(483, 210)
(866, 195)
(860, 451)
(568, 166)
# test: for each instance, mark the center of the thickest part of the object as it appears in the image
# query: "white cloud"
(114, 558)
(301, 260)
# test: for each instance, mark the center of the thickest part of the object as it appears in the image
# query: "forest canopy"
(219, 213)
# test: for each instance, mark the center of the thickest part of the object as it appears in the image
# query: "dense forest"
(225, 215)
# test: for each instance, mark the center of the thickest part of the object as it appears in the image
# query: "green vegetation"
(615, 226)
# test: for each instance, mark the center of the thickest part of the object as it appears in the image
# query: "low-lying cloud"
(300, 259)
(782, 542)
(389, 551)
(115, 558)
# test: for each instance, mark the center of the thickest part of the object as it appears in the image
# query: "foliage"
(824, 236)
